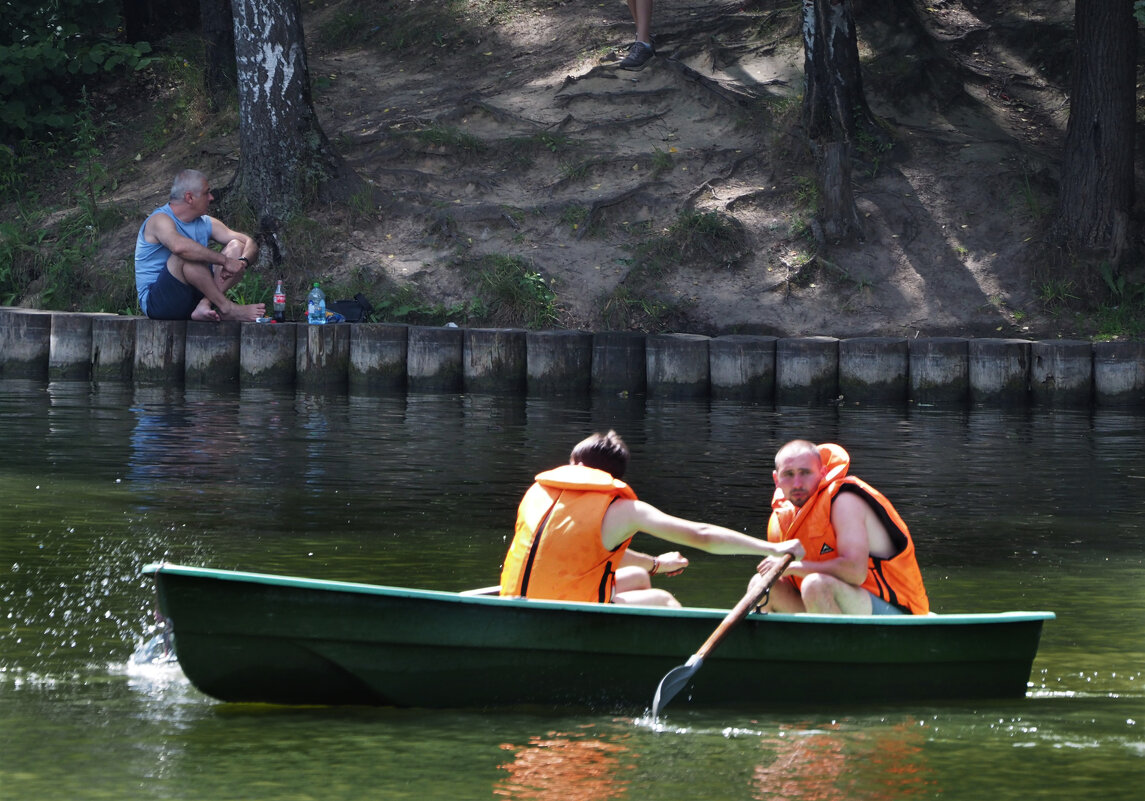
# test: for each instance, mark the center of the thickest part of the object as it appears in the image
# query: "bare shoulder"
(849, 504)
(623, 511)
(158, 226)
(852, 513)
(621, 520)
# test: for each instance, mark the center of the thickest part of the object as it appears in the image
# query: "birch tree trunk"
(1097, 194)
(286, 160)
(834, 108)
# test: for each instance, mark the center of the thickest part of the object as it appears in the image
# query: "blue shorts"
(881, 607)
(171, 299)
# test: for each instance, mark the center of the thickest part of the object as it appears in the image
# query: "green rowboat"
(251, 637)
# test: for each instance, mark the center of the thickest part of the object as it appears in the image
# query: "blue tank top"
(151, 258)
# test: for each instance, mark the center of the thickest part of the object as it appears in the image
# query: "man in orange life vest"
(574, 526)
(859, 554)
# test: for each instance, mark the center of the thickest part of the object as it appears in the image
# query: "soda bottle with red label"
(279, 304)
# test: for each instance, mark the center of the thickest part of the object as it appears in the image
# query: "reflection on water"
(821, 764)
(1011, 509)
(566, 768)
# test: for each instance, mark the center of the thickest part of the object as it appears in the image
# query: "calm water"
(1011, 510)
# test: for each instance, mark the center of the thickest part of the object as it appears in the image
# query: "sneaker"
(639, 54)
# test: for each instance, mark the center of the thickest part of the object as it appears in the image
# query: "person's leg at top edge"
(641, 51)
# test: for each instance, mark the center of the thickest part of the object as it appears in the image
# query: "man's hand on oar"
(767, 573)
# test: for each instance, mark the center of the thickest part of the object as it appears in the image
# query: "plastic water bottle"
(279, 304)
(316, 306)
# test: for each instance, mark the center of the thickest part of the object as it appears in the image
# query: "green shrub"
(48, 53)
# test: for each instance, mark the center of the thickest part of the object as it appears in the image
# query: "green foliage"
(626, 310)
(1125, 314)
(512, 293)
(48, 52)
(253, 287)
(661, 160)
(521, 151)
(405, 304)
(871, 146)
(555, 142)
(93, 178)
(574, 216)
(807, 194)
(451, 138)
(1056, 293)
(43, 254)
(182, 66)
(695, 238)
(1121, 288)
(575, 171)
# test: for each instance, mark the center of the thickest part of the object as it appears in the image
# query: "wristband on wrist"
(655, 567)
(244, 260)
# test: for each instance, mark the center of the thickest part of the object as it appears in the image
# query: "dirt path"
(528, 142)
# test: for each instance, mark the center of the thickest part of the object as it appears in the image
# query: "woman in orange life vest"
(860, 556)
(574, 526)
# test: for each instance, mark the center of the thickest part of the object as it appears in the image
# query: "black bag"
(357, 310)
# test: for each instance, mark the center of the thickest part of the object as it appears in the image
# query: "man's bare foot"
(204, 313)
(246, 314)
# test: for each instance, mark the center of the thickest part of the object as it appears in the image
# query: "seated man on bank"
(860, 556)
(177, 276)
(574, 526)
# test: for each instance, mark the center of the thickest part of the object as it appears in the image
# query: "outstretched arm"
(624, 518)
(666, 564)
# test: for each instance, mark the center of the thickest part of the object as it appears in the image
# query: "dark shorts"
(171, 299)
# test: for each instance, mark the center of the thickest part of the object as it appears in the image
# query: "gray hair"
(191, 181)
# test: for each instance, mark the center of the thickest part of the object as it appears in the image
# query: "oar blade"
(673, 681)
(767, 572)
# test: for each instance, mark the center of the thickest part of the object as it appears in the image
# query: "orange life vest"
(895, 579)
(557, 552)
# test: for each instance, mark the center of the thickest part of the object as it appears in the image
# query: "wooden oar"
(768, 572)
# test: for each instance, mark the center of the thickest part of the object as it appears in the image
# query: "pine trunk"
(834, 108)
(1097, 171)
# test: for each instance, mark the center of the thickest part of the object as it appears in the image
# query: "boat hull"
(249, 637)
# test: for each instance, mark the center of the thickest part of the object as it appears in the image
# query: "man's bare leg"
(634, 586)
(783, 597)
(827, 595)
(651, 597)
(214, 282)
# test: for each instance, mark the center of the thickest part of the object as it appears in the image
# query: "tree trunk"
(286, 161)
(835, 109)
(1093, 211)
(219, 42)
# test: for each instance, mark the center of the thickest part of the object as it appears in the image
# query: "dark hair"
(605, 452)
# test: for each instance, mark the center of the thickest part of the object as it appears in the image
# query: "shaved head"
(797, 447)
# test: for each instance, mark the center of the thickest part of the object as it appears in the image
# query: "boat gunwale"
(329, 585)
